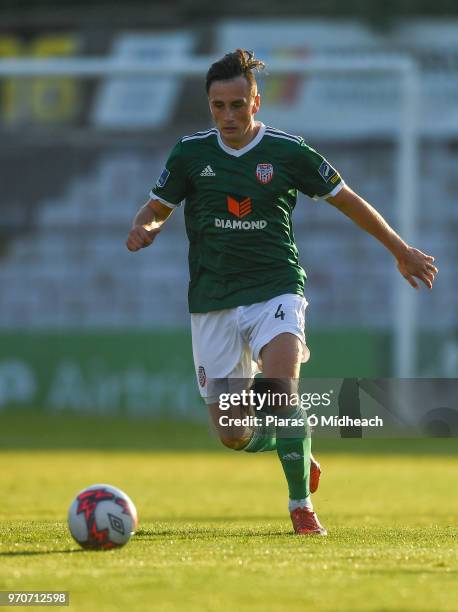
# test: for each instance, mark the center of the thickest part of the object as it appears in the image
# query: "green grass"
(214, 533)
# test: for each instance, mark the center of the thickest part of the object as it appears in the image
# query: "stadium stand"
(73, 268)
(64, 263)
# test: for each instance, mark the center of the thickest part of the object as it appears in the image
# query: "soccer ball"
(102, 517)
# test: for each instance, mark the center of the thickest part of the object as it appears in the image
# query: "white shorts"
(227, 343)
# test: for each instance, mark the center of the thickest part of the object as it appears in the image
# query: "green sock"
(262, 440)
(294, 449)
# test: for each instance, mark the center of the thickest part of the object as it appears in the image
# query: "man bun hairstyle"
(239, 63)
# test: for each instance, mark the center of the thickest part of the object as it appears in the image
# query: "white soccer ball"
(102, 517)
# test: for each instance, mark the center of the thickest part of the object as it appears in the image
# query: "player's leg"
(279, 345)
(224, 365)
(285, 355)
(259, 388)
(220, 355)
(223, 362)
(232, 436)
(281, 359)
(252, 437)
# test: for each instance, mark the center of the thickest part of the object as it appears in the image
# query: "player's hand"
(415, 264)
(140, 237)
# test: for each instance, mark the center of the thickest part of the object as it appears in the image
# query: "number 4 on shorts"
(280, 314)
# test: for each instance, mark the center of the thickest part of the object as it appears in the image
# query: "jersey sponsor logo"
(207, 171)
(264, 173)
(241, 225)
(239, 209)
(326, 171)
(161, 181)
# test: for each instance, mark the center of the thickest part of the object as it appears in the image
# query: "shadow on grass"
(406, 571)
(349, 536)
(208, 532)
(32, 553)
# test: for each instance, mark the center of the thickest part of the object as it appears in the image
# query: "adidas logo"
(292, 457)
(207, 171)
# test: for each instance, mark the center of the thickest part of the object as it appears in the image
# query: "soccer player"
(246, 291)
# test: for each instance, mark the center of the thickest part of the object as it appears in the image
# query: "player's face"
(233, 107)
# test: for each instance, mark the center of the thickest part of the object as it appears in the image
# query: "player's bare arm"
(411, 262)
(147, 224)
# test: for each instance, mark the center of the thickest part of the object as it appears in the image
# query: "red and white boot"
(305, 522)
(315, 473)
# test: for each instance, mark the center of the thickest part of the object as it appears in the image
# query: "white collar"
(247, 147)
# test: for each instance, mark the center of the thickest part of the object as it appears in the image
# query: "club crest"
(202, 376)
(264, 173)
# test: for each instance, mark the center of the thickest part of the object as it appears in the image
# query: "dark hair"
(239, 63)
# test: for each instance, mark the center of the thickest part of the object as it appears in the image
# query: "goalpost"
(405, 69)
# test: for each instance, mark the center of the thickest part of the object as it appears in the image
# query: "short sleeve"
(315, 176)
(171, 186)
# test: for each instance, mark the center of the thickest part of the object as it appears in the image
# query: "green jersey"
(238, 213)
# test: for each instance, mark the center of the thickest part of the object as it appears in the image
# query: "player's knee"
(233, 442)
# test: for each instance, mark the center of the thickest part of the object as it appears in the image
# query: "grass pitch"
(214, 533)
